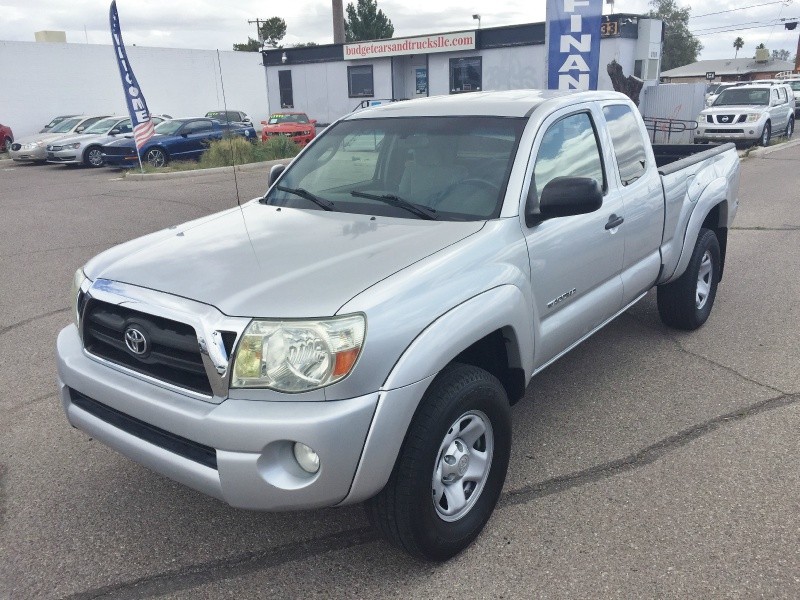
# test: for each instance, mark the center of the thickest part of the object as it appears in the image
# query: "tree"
(781, 54)
(680, 46)
(738, 43)
(270, 33)
(366, 22)
(250, 45)
(304, 44)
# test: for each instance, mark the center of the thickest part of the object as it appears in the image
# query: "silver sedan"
(34, 148)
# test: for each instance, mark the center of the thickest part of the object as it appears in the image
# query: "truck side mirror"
(564, 197)
(275, 172)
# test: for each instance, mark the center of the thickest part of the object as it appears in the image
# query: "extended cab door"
(576, 260)
(635, 176)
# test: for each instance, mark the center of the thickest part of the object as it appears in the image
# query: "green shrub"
(238, 150)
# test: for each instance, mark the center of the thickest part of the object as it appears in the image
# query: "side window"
(125, 127)
(569, 149)
(774, 96)
(627, 141)
(197, 127)
(782, 94)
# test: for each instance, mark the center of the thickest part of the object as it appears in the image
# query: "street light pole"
(478, 17)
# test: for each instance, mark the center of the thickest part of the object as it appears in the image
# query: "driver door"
(576, 261)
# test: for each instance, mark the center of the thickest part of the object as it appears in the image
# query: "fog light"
(306, 458)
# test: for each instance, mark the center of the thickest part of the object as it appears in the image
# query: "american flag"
(143, 132)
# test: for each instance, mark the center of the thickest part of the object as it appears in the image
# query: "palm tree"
(738, 43)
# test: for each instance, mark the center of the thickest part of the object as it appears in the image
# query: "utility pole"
(258, 23)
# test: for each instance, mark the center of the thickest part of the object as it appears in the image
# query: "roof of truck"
(511, 103)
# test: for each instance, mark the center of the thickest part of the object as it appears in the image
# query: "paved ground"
(648, 463)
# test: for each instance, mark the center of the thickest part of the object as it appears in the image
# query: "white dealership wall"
(40, 81)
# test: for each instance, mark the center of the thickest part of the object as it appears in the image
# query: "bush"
(221, 153)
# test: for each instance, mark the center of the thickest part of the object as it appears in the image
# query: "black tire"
(766, 134)
(686, 303)
(405, 511)
(789, 128)
(93, 157)
(156, 157)
(7, 144)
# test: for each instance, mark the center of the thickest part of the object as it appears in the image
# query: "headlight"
(297, 356)
(77, 282)
(752, 118)
(701, 119)
(76, 145)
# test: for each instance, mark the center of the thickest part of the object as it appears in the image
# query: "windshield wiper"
(422, 212)
(321, 202)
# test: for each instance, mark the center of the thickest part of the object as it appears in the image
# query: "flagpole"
(139, 156)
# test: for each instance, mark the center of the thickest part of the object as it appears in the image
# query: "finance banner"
(573, 45)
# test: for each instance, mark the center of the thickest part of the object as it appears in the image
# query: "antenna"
(230, 137)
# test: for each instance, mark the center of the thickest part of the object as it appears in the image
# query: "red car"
(6, 137)
(294, 125)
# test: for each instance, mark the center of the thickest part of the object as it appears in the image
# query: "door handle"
(614, 221)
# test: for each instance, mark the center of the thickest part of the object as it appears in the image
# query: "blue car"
(179, 139)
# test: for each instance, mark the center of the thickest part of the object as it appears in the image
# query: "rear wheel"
(790, 128)
(93, 157)
(451, 469)
(766, 134)
(155, 157)
(686, 303)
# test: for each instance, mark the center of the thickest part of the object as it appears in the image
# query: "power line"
(784, 2)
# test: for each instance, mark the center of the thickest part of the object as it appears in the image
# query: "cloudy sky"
(213, 24)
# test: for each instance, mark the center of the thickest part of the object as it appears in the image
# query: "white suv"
(748, 113)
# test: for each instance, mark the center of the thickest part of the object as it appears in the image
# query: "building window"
(285, 87)
(465, 75)
(359, 81)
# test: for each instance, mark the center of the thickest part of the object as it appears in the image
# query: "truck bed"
(674, 157)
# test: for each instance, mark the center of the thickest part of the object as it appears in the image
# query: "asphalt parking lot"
(646, 463)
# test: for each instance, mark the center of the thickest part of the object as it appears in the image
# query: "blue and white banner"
(137, 107)
(573, 49)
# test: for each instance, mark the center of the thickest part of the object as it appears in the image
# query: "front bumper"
(251, 440)
(64, 157)
(732, 133)
(121, 160)
(39, 153)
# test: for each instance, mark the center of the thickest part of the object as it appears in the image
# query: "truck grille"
(709, 131)
(199, 453)
(164, 349)
(726, 119)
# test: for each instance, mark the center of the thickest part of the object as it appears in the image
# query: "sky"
(212, 24)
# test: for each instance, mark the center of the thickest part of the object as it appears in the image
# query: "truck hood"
(265, 261)
(736, 109)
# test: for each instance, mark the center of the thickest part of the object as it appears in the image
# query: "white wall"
(682, 101)
(320, 89)
(41, 81)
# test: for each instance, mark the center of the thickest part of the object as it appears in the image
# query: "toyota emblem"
(136, 341)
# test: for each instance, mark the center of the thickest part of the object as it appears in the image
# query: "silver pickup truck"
(361, 332)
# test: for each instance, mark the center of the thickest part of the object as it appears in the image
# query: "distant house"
(730, 69)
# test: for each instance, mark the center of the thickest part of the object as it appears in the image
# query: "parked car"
(55, 121)
(34, 148)
(86, 147)
(294, 125)
(6, 137)
(748, 113)
(229, 116)
(361, 331)
(715, 89)
(178, 139)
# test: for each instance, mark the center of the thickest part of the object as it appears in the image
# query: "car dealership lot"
(645, 463)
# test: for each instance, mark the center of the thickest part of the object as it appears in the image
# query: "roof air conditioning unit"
(762, 55)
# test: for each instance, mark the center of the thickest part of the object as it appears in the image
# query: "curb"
(761, 151)
(266, 165)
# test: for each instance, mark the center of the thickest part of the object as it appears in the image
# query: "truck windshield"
(741, 96)
(449, 168)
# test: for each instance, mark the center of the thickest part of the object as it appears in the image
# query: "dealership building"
(332, 80)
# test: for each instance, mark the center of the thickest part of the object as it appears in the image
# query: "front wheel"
(155, 157)
(451, 468)
(766, 134)
(93, 157)
(686, 302)
(790, 128)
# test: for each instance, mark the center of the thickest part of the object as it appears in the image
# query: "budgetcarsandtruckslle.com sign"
(444, 42)
(573, 47)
